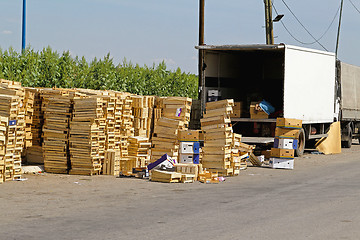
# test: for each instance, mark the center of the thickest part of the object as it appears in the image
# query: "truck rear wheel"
(299, 151)
(347, 143)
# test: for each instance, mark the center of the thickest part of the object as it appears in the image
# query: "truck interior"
(248, 76)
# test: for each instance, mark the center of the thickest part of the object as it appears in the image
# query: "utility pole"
(338, 32)
(23, 44)
(269, 22)
(202, 94)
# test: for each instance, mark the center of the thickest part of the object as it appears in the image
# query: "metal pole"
(338, 32)
(23, 45)
(202, 94)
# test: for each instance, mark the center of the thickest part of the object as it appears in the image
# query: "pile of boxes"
(87, 128)
(175, 117)
(57, 112)
(218, 135)
(285, 142)
(142, 111)
(189, 151)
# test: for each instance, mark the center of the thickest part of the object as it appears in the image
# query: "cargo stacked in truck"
(218, 135)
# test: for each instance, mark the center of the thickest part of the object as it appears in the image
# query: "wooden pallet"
(165, 176)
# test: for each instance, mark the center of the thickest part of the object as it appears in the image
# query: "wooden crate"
(111, 165)
(57, 111)
(164, 176)
(87, 136)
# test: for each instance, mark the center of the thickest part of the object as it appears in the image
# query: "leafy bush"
(48, 68)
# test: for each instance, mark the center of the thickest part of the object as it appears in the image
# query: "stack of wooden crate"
(14, 123)
(109, 110)
(57, 107)
(176, 116)
(38, 117)
(127, 128)
(111, 165)
(87, 132)
(139, 155)
(218, 137)
(177, 108)
(34, 153)
(238, 158)
(142, 108)
(29, 110)
(3, 132)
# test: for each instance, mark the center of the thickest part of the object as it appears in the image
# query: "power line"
(316, 40)
(297, 19)
(354, 6)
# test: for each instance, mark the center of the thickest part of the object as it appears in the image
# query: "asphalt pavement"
(319, 199)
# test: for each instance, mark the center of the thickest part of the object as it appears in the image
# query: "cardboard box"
(189, 147)
(282, 153)
(266, 153)
(285, 143)
(214, 93)
(256, 113)
(286, 133)
(288, 123)
(281, 163)
(235, 114)
(189, 135)
(189, 158)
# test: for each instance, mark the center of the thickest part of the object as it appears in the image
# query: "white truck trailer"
(300, 83)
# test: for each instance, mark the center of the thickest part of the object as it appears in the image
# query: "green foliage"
(48, 68)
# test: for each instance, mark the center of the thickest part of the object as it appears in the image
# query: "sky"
(151, 31)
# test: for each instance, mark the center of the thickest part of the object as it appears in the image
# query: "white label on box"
(186, 147)
(286, 143)
(281, 163)
(213, 93)
(185, 158)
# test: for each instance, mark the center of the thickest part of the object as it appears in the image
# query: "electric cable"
(316, 40)
(297, 19)
(354, 6)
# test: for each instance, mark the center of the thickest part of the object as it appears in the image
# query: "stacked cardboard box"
(176, 116)
(87, 135)
(57, 107)
(189, 151)
(285, 143)
(218, 137)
